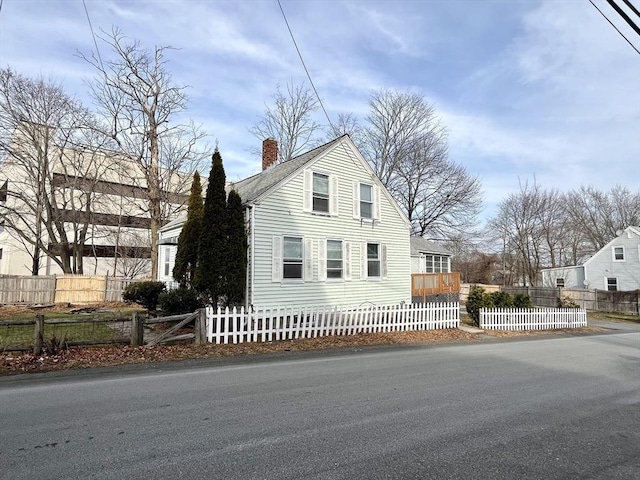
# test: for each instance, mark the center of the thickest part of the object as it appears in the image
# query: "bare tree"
(141, 104)
(290, 121)
(407, 146)
(597, 215)
(53, 160)
(347, 124)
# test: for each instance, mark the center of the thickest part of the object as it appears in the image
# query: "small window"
(0, 254)
(334, 259)
(618, 254)
(612, 284)
(320, 193)
(292, 258)
(366, 201)
(373, 260)
(167, 258)
(560, 282)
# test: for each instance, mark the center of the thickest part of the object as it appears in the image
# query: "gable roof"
(627, 231)
(421, 245)
(252, 188)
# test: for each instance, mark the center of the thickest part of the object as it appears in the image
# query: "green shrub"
(181, 300)
(502, 300)
(476, 300)
(144, 293)
(522, 300)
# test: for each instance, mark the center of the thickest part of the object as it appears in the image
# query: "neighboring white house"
(614, 267)
(322, 230)
(429, 257)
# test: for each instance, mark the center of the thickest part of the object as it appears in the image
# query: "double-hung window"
(366, 201)
(320, 193)
(560, 282)
(292, 258)
(618, 254)
(334, 259)
(612, 284)
(167, 261)
(373, 260)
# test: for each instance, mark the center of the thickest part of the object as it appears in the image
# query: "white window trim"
(606, 284)
(277, 260)
(323, 261)
(307, 203)
(375, 208)
(613, 253)
(382, 258)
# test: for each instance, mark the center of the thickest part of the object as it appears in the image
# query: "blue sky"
(543, 88)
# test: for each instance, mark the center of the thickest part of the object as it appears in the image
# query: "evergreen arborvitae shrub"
(502, 300)
(522, 300)
(180, 300)
(189, 239)
(144, 293)
(476, 300)
(236, 268)
(212, 249)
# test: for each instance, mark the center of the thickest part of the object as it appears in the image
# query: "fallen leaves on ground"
(12, 363)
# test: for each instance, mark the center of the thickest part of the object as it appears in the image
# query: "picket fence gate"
(532, 319)
(289, 323)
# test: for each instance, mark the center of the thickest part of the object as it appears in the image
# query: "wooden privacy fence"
(532, 319)
(426, 284)
(288, 323)
(61, 289)
(19, 289)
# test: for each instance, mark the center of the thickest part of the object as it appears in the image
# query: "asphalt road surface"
(549, 408)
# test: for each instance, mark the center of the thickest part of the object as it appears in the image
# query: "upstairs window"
(618, 254)
(366, 201)
(320, 193)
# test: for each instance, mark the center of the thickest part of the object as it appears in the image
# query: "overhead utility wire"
(621, 34)
(623, 14)
(630, 5)
(92, 34)
(305, 66)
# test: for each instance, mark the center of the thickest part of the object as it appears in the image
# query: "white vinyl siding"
(281, 213)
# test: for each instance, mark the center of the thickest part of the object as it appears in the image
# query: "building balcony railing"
(424, 284)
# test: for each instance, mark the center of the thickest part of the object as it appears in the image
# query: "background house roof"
(421, 245)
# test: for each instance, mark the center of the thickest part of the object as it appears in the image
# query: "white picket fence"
(288, 323)
(532, 319)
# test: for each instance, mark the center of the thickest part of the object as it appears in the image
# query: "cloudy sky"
(543, 88)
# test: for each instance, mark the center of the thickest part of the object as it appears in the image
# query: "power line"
(92, 34)
(621, 34)
(630, 5)
(305, 66)
(626, 18)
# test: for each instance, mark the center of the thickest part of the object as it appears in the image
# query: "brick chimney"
(269, 153)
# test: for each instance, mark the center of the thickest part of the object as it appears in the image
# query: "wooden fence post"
(200, 327)
(137, 330)
(38, 335)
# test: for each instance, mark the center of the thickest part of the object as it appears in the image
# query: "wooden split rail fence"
(288, 323)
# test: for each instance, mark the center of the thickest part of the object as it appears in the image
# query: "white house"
(614, 267)
(429, 257)
(322, 230)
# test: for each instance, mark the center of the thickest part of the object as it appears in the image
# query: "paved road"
(548, 408)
